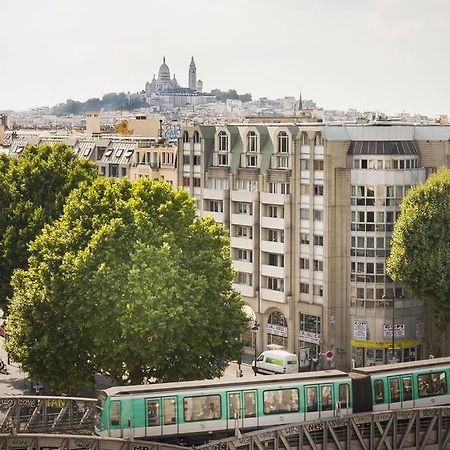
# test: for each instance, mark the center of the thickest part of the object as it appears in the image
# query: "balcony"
(273, 222)
(273, 271)
(243, 266)
(273, 296)
(244, 290)
(238, 242)
(274, 199)
(273, 247)
(214, 194)
(242, 219)
(244, 196)
(217, 216)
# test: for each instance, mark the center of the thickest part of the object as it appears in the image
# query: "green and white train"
(216, 408)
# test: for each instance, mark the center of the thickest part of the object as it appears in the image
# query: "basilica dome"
(164, 72)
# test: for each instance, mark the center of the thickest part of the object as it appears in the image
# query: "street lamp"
(255, 329)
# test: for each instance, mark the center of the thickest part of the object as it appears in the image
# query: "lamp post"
(385, 297)
(255, 329)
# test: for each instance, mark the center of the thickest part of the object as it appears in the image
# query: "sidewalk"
(16, 382)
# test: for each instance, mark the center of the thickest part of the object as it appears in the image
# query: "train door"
(153, 417)
(395, 401)
(343, 400)
(407, 392)
(115, 419)
(241, 410)
(311, 406)
(326, 401)
(169, 416)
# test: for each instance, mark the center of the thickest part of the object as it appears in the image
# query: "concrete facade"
(310, 209)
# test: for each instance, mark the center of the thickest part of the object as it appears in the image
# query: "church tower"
(192, 75)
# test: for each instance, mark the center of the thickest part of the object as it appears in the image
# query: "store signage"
(420, 329)
(277, 330)
(399, 330)
(308, 336)
(360, 329)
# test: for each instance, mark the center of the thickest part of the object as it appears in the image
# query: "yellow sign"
(386, 344)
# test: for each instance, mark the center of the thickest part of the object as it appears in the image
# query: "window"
(118, 153)
(318, 290)
(169, 411)
(197, 160)
(218, 183)
(252, 161)
(304, 238)
(223, 141)
(318, 164)
(304, 164)
(186, 181)
(185, 137)
(275, 211)
(304, 138)
(215, 206)
(326, 397)
(196, 137)
(318, 139)
(244, 278)
(222, 160)
(275, 284)
(304, 214)
(123, 171)
(279, 188)
(304, 263)
(432, 384)
(379, 391)
(280, 401)
(344, 396)
(244, 232)
(275, 235)
(205, 407)
(115, 413)
(283, 162)
(318, 265)
(197, 182)
(246, 185)
(283, 142)
(186, 159)
(407, 389)
(304, 189)
(304, 288)
(249, 404)
(114, 170)
(394, 390)
(275, 259)
(311, 398)
(243, 254)
(318, 215)
(252, 142)
(318, 189)
(153, 413)
(318, 240)
(243, 208)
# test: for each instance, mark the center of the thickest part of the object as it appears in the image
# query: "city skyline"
(387, 56)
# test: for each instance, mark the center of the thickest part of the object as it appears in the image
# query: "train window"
(379, 391)
(280, 400)
(169, 411)
(432, 384)
(407, 389)
(234, 405)
(205, 407)
(311, 399)
(343, 395)
(115, 413)
(249, 404)
(326, 398)
(153, 413)
(394, 390)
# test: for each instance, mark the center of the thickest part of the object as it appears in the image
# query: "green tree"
(420, 246)
(33, 190)
(133, 284)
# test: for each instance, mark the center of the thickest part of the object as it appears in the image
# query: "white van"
(276, 361)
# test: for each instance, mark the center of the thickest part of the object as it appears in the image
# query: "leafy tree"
(133, 284)
(420, 246)
(33, 190)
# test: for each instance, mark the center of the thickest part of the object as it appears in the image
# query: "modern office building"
(310, 209)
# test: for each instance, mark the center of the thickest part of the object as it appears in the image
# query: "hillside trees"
(128, 282)
(33, 190)
(420, 246)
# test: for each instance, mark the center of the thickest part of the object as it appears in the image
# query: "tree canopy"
(33, 190)
(420, 246)
(129, 283)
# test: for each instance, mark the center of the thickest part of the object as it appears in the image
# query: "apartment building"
(310, 209)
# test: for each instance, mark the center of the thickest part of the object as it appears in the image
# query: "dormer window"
(196, 137)
(252, 142)
(223, 141)
(185, 137)
(283, 142)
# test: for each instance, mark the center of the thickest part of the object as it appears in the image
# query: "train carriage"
(406, 385)
(219, 407)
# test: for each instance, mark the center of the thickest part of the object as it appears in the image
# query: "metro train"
(217, 408)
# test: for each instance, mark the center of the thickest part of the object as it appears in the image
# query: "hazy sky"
(389, 55)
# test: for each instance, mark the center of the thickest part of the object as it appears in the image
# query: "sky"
(371, 55)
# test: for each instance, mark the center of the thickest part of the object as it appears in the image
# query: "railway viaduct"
(63, 423)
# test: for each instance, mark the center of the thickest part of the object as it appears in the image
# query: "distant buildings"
(165, 91)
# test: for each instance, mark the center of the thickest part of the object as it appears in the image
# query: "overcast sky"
(388, 55)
